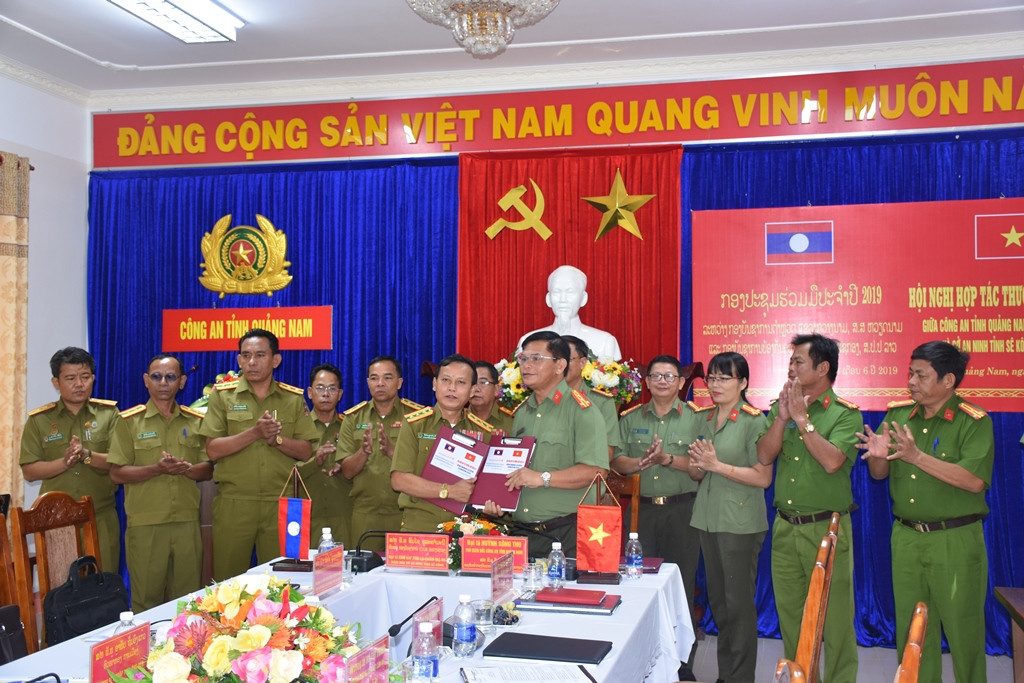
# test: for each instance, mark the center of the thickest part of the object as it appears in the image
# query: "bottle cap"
(557, 545)
(426, 627)
(465, 597)
(633, 535)
(127, 616)
(326, 530)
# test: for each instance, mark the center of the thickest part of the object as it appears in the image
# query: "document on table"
(521, 673)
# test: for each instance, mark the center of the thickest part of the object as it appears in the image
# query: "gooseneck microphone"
(397, 628)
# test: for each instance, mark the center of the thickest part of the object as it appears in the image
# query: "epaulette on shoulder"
(602, 392)
(972, 410)
(103, 402)
(627, 411)
(43, 408)
(849, 404)
(507, 411)
(900, 404)
(411, 404)
(516, 409)
(480, 422)
(699, 409)
(134, 410)
(419, 414)
(224, 386)
(750, 410)
(192, 412)
(356, 408)
(290, 388)
(581, 398)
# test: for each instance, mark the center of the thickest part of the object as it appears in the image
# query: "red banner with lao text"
(879, 278)
(614, 214)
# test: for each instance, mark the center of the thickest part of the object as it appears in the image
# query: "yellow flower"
(252, 639)
(588, 369)
(229, 592)
(157, 653)
(325, 617)
(285, 665)
(171, 668)
(209, 603)
(215, 661)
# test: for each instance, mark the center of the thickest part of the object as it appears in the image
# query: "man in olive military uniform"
(571, 448)
(812, 433)
(366, 445)
(655, 438)
(938, 451)
(157, 453)
(453, 382)
(579, 356)
(332, 505)
(65, 445)
(257, 429)
(483, 400)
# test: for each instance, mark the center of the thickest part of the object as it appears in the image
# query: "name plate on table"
(427, 552)
(124, 651)
(501, 579)
(371, 663)
(433, 614)
(478, 552)
(328, 569)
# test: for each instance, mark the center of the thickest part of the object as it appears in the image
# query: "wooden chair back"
(8, 583)
(691, 372)
(808, 648)
(911, 664)
(788, 671)
(627, 486)
(63, 529)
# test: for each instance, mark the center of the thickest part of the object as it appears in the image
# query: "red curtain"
(633, 282)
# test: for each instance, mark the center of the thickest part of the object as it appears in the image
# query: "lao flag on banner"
(999, 236)
(801, 242)
(293, 519)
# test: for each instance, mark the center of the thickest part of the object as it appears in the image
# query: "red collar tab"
(733, 415)
(556, 397)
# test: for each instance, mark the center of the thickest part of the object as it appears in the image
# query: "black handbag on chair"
(84, 602)
(12, 634)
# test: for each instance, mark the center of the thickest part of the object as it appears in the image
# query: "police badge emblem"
(244, 259)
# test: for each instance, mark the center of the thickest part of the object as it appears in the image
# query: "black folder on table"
(529, 646)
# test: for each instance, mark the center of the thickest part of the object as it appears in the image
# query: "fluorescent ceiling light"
(190, 21)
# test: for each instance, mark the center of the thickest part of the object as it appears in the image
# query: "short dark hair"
(260, 333)
(324, 367)
(732, 364)
(71, 355)
(944, 358)
(822, 349)
(385, 359)
(162, 356)
(557, 346)
(578, 345)
(454, 359)
(665, 358)
(488, 368)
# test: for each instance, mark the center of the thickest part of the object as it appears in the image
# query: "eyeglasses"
(170, 378)
(659, 376)
(532, 358)
(572, 358)
(484, 382)
(718, 379)
(329, 390)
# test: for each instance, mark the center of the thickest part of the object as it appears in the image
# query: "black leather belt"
(956, 522)
(810, 519)
(667, 500)
(551, 524)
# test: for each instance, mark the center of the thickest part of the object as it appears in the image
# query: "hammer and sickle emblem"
(531, 217)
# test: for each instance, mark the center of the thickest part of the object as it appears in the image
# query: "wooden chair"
(626, 487)
(691, 372)
(64, 529)
(789, 671)
(911, 664)
(7, 580)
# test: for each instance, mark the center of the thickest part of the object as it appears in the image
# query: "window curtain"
(14, 171)
(934, 167)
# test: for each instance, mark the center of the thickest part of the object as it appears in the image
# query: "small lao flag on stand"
(293, 520)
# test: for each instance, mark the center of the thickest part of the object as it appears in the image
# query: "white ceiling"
(94, 51)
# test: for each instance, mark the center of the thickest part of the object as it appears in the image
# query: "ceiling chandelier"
(483, 27)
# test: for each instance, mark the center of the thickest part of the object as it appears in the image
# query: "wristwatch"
(444, 492)
(87, 458)
(546, 478)
(808, 429)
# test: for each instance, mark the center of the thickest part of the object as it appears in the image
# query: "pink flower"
(332, 669)
(179, 623)
(261, 606)
(253, 666)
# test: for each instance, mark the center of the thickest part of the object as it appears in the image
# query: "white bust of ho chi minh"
(567, 294)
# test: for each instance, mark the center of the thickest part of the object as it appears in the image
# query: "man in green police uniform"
(453, 383)
(65, 444)
(256, 429)
(655, 438)
(937, 451)
(332, 504)
(571, 447)
(579, 356)
(813, 435)
(157, 453)
(366, 444)
(483, 400)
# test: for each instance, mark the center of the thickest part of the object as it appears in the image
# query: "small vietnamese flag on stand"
(293, 520)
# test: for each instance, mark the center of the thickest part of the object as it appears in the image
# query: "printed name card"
(501, 578)
(371, 663)
(328, 568)
(428, 552)
(123, 651)
(478, 552)
(432, 613)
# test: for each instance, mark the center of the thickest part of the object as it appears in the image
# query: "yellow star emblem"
(1012, 237)
(618, 208)
(598, 534)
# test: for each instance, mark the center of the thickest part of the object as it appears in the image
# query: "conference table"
(650, 631)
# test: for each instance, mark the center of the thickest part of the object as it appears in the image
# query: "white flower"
(285, 666)
(468, 528)
(171, 668)
(612, 381)
(253, 583)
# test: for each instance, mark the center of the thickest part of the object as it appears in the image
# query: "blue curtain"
(976, 165)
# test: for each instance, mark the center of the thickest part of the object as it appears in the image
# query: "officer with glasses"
(483, 400)
(332, 506)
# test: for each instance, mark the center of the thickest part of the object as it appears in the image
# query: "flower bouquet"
(201, 403)
(617, 378)
(469, 526)
(510, 380)
(252, 629)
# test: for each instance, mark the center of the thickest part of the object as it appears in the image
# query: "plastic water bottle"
(424, 653)
(556, 566)
(326, 541)
(634, 557)
(464, 636)
(126, 623)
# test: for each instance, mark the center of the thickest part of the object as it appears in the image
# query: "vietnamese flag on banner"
(999, 236)
(614, 214)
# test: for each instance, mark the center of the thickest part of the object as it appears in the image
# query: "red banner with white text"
(879, 278)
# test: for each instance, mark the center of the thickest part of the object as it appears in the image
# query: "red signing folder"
(570, 596)
(505, 454)
(455, 456)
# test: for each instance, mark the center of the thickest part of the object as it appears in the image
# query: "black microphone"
(396, 628)
(365, 560)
